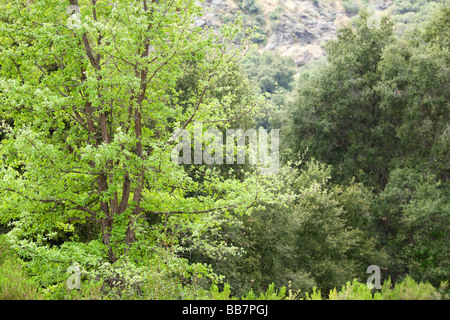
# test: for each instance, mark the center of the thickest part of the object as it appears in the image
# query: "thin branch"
(18, 70)
(195, 111)
(200, 211)
(31, 199)
(115, 46)
(159, 68)
(34, 146)
(58, 202)
(163, 16)
(182, 212)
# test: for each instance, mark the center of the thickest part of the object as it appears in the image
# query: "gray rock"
(298, 30)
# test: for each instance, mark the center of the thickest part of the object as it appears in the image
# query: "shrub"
(250, 6)
(351, 6)
(14, 282)
(409, 289)
(275, 14)
(270, 294)
(315, 295)
(224, 295)
(354, 291)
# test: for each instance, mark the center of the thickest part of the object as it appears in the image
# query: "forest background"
(93, 207)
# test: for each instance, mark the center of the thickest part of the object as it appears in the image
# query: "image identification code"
(231, 309)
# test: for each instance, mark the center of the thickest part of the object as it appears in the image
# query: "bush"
(270, 294)
(14, 283)
(351, 6)
(408, 289)
(250, 6)
(270, 70)
(275, 14)
(354, 291)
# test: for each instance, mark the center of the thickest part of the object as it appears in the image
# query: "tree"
(270, 70)
(273, 74)
(414, 95)
(379, 102)
(414, 216)
(378, 112)
(92, 89)
(336, 113)
(320, 237)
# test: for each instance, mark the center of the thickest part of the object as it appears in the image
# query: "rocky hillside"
(296, 28)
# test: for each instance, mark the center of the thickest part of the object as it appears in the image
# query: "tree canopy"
(95, 97)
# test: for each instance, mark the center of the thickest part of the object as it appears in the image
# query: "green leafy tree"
(273, 74)
(321, 237)
(93, 92)
(330, 225)
(414, 215)
(379, 102)
(336, 114)
(378, 112)
(415, 93)
(270, 70)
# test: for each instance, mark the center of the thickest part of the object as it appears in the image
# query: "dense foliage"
(90, 100)
(378, 113)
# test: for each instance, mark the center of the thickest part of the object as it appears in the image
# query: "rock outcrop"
(296, 28)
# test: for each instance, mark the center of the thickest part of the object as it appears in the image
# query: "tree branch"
(56, 201)
(200, 211)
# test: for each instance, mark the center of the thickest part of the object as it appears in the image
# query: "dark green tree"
(378, 111)
(337, 111)
(414, 226)
(270, 70)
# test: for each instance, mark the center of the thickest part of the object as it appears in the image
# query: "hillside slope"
(295, 28)
(299, 28)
